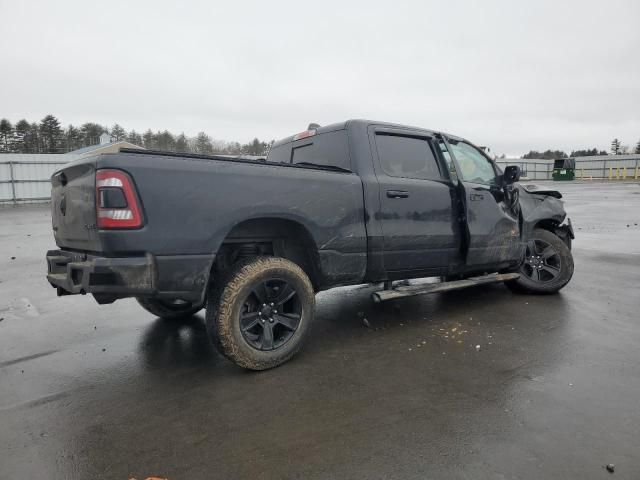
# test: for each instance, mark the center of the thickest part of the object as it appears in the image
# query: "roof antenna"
(313, 126)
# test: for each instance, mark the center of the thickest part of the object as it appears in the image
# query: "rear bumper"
(110, 278)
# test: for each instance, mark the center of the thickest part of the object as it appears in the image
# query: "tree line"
(616, 149)
(49, 136)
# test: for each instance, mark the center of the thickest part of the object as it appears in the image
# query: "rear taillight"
(116, 201)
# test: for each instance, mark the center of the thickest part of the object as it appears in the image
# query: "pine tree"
(34, 144)
(22, 130)
(615, 146)
(134, 137)
(117, 132)
(6, 129)
(637, 149)
(203, 144)
(91, 133)
(256, 147)
(149, 140)
(182, 145)
(73, 137)
(50, 133)
(166, 141)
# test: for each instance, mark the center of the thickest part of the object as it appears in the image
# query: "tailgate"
(73, 209)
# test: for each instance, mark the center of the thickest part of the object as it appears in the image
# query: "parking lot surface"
(478, 383)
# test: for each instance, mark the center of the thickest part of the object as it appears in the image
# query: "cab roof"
(360, 122)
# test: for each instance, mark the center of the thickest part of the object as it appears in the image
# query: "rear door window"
(331, 149)
(407, 157)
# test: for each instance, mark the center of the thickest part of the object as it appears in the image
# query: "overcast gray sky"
(512, 75)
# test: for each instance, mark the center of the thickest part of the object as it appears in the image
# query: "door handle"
(397, 194)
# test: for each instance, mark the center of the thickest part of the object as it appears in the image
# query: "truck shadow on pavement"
(349, 314)
(177, 344)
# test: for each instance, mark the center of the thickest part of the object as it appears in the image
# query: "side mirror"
(511, 174)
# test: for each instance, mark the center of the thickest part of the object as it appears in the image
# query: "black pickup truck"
(253, 240)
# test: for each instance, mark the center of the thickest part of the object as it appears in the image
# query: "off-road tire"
(226, 302)
(525, 284)
(164, 309)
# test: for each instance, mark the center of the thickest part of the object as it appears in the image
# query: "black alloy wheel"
(270, 315)
(542, 261)
(547, 265)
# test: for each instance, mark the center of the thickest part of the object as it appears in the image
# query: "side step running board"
(411, 290)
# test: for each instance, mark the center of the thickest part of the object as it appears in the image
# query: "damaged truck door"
(491, 219)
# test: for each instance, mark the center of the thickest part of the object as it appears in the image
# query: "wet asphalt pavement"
(90, 391)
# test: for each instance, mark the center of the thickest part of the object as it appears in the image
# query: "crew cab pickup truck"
(253, 240)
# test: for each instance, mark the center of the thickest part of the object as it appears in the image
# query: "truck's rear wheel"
(261, 313)
(169, 309)
(547, 266)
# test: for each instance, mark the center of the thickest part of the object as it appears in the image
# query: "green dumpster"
(564, 169)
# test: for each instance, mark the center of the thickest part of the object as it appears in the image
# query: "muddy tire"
(547, 267)
(169, 309)
(260, 313)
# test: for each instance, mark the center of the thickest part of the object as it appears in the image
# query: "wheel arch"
(561, 231)
(270, 235)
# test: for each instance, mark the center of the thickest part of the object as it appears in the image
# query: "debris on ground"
(478, 348)
(104, 349)
(1, 318)
(610, 467)
(366, 323)
(13, 258)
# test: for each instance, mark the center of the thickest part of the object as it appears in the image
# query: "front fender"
(544, 209)
(565, 233)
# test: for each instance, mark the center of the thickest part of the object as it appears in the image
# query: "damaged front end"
(544, 209)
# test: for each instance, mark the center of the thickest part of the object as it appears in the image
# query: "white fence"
(530, 169)
(599, 167)
(25, 178)
(609, 167)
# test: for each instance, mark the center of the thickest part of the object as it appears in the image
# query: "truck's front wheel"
(547, 266)
(261, 313)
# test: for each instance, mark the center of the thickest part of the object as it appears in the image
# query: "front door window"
(474, 166)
